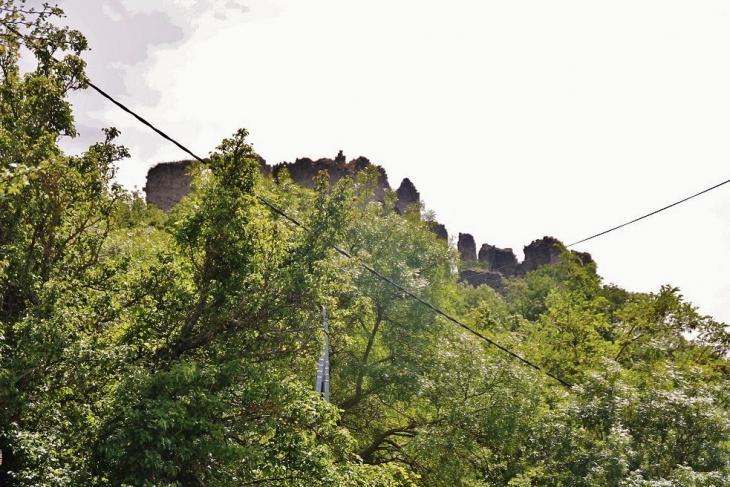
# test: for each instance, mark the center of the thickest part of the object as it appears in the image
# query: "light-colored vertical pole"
(326, 355)
(322, 382)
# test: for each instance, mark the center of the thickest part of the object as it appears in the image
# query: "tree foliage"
(143, 348)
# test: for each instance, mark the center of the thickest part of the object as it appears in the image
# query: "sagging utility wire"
(629, 222)
(649, 214)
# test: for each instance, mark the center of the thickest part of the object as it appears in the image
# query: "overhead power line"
(344, 253)
(649, 214)
(145, 122)
(624, 224)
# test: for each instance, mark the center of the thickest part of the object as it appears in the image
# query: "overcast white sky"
(515, 120)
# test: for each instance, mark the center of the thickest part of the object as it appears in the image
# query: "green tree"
(658, 426)
(146, 350)
(223, 331)
(415, 390)
(56, 214)
(142, 348)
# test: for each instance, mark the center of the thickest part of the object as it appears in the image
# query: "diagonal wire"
(145, 122)
(346, 254)
(422, 301)
(649, 214)
(496, 269)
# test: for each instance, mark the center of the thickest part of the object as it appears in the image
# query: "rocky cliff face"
(169, 182)
(408, 197)
(467, 248)
(540, 252)
(440, 231)
(502, 263)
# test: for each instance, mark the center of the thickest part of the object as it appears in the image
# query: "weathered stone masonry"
(168, 183)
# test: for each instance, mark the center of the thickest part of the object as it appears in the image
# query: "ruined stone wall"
(304, 170)
(499, 264)
(499, 260)
(167, 183)
(467, 248)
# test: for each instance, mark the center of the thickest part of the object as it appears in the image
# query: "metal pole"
(322, 382)
(326, 355)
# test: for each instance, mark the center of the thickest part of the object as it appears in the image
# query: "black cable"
(343, 252)
(649, 214)
(497, 269)
(145, 122)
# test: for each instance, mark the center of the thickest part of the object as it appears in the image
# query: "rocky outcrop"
(477, 278)
(547, 250)
(503, 263)
(498, 260)
(167, 183)
(467, 248)
(408, 197)
(303, 171)
(440, 231)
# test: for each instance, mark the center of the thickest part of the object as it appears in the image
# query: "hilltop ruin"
(168, 183)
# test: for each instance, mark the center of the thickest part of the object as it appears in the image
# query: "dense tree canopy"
(142, 348)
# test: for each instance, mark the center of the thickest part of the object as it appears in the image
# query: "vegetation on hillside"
(148, 349)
